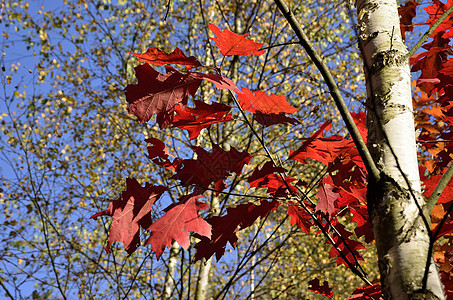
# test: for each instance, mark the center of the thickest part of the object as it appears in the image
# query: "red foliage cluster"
(341, 192)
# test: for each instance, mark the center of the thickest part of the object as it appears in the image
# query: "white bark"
(401, 233)
(169, 277)
(203, 279)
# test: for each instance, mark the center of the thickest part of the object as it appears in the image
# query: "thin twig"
(168, 10)
(278, 45)
(6, 290)
(428, 33)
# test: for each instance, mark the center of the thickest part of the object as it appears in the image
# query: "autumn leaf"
(266, 178)
(348, 171)
(158, 93)
(407, 12)
(360, 121)
(200, 117)
(211, 167)
(129, 212)
(447, 228)
(231, 43)
(429, 184)
(430, 62)
(323, 149)
(261, 102)
(224, 228)
(272, 119)
(220, 82)
(158, 153)
(180, 218)
(364, 227)
(367, 293)
(327, 196)
(350, 252)
(323, 289)
(155, 56)
(300, 218)
(259, 178)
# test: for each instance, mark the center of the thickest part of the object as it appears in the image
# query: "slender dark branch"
(431, 201)
(333, 88)
(6, 290)
(245, 259)
(168, 10)
(431, 29)
(278, 45)
(356, 270)
(135, 276)
(434, 141)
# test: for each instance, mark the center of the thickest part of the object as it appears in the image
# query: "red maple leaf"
(175, 225)
(200, 117)
(350, 252)
(266, 178)
(305, 151)
(158, 93)
(158, 153)
(211, 167)
(323, 149)
(272, 119)
(231, 43)
(129, 212)
(224, 228)
(360, 122)
(447, 228)
(447, 280)
(260, 179)
(348, 171)
(300, 218)
(323, 289)
(430, 62)
(155, 56)
(261, 102)
(364, 227)
(327, 195)
(367, 293)
(407, 12)
(221, 82)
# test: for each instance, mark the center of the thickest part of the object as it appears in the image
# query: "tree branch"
(431, 29)
(431, 201)
(333, 88)
(6, 290)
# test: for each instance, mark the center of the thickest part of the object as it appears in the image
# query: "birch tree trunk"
(169, 284)
(395, 202)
